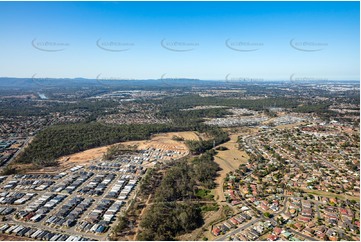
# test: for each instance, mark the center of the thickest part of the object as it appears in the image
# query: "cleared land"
(184, 135)
(289, 126)
(331, 195)
(229, 160)
(159, 141)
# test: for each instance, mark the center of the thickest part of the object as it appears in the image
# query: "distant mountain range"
(74, 82)
(37, 82)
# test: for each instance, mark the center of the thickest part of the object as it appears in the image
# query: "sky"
(201, 40)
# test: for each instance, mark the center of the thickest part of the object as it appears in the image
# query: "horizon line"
(234, 80)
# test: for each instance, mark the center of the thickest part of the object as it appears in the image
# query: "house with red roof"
(264, 207)
(272, 237)
(343, 211)
(216, 231)
(233, 221)
(357, 223)
(277, 231)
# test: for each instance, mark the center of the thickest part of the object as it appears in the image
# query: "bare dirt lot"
(162, 141)
(184, 135)
(165, 141)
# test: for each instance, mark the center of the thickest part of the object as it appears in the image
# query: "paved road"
(41, 225)
(248, 141)
(321, 158)
(284, 207)
(318, 210)
(18, 151)
(302, 235)
(72, 230)
(233, 232)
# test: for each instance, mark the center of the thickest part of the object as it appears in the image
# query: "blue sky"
(205, 40)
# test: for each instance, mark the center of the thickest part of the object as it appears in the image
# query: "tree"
(164, 221)
(122, 224)
(8, 170)
(280, 220)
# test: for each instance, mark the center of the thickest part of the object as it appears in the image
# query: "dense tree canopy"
(59, 140)
(165, 220)
(174, 211)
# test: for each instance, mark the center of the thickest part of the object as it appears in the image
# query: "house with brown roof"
(306, 204)
(272, 237)
(311, 224)
(304, 219)
(298, 226)
(306, 212)
(308, 231)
